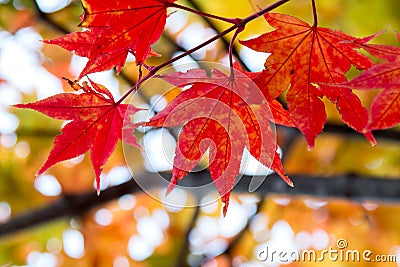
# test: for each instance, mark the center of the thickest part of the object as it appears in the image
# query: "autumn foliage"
(224, 112)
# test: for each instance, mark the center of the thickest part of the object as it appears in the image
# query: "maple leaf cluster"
(114, 29)
(96, 124)
(385, 109)
(216, 116)
(222, 112)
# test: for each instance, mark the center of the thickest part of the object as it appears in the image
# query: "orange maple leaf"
(385, 108)
(96, 124)
(114, 29)
(215, 116)
(304, 59)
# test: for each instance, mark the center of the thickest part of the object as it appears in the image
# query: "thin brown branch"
(314, 11)
(224, 41)
(216, 37)
(204, 14)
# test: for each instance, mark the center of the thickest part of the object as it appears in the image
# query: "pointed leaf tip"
(171, 186)
(310, 146)
(225, 200)
(288, 181)
(225, 210)
(98, 185)
(370, 137)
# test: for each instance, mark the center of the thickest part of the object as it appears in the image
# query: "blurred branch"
(46, 18)
(352, 187)
(183, 252)
(341, 129)
(37, 132)
(67, 206)
(390, 134)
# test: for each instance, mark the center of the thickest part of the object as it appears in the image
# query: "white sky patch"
(142, 115)
(159, 146)
(9, 122)
(22, 149)
(103, 217)
(174, 201)
(183, 63)
(374, 164)
(251, 166)
(105, 78)
(77, 64)
(73, 243)
(54, 245)
(139, 249)
(74, 161)
(254, 60)
(121, 262)
(127, 202)
(282, 201)
(52, 6)
(216, 247)
(161, 217)
(319, 239)
(314, 203)
(20, 56)
(48, 185)
(150, 230)
(281, 239)
(37, 259)
(370, 206)
(140, 212)
(303, 240)
(194, 35)
(207, 228)
(209, 204)
(176, 22)
(259, 223)
(8, 140)
(118, 175)
(158, 102)
(5, 211)
(9, 95)
(234, 221)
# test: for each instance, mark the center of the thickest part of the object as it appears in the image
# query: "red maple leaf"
(215, 116)
(96, 124)
(114, 29)
(385, 108)
(304, 60)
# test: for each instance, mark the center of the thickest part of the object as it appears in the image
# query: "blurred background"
(56, 219)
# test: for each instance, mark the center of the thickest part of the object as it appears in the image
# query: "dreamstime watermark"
(340, 253)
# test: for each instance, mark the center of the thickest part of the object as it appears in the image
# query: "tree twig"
(224, 41)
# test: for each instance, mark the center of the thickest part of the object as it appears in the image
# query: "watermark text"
(338, 254)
